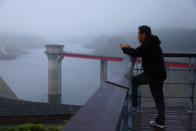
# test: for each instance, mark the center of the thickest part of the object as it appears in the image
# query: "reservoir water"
(27, 76)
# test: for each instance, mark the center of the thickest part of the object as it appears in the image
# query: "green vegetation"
(32, 127)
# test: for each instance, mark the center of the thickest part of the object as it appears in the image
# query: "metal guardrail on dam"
(109, 109)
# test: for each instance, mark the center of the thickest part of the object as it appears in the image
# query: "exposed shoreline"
(9, 53)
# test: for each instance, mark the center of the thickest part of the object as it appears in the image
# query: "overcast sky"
(58, 18)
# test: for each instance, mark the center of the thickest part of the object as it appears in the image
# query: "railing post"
(193, 85)
(191, 70)
(103, 75)
(194, 81)
(139, 71)
(130, 107)
(125, 114)
(140, 94)
(126, 120)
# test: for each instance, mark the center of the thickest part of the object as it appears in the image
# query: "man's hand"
(124, 46)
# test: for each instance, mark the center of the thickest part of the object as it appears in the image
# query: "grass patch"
(31, 127)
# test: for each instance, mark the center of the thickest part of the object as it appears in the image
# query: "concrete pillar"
(103, 71)
(55, 56)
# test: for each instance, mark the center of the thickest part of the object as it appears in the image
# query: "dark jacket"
(152, 58)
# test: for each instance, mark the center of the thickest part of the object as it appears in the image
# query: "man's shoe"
(155, 124)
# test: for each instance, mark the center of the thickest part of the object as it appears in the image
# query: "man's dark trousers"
(156, 87)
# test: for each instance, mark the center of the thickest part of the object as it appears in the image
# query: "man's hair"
(145, 29)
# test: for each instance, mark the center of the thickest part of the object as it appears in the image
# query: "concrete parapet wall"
(5, 90)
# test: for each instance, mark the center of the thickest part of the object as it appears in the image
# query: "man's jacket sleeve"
(134, 52)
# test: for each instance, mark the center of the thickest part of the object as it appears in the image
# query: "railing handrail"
(119, 59)
(179, 54)
(93, 56)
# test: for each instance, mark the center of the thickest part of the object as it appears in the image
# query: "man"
(154, 72)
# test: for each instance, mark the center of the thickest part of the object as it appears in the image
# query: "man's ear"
(145, 36)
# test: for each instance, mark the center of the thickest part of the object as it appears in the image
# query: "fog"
(58, 19)
(97, 26)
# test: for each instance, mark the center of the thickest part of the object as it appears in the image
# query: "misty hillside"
(24, 41)
(178, 40)
(173, 40)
